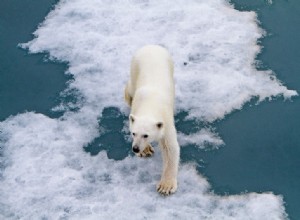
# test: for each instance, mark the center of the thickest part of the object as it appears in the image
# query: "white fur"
(150, 93)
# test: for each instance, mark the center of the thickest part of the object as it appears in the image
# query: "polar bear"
(150, 94)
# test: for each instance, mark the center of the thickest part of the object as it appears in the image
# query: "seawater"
(268, 132)
(44, 159)
(27, 83)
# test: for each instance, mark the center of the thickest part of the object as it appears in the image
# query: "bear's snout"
(135, 149)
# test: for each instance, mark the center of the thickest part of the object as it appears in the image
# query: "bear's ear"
(131, 118)
(159, 125)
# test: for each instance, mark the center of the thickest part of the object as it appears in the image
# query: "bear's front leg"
(170, 153)
(147, 152)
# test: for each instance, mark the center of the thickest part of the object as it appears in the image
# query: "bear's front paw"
(147, 152)
(166, 187)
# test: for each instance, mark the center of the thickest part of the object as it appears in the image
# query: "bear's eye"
(145, 135)
(133, 134)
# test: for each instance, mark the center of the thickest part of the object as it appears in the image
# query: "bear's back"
(153, 67)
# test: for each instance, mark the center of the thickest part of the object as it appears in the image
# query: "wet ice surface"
(47, 175)
(44, 171)
(217, 43)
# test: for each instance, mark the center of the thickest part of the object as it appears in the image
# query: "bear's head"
(144, 130)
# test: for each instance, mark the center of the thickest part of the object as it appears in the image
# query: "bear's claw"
(147, 152)
(167, 187)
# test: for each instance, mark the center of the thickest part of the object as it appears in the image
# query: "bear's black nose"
(135, 149)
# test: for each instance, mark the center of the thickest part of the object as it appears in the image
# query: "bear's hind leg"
(127, 96)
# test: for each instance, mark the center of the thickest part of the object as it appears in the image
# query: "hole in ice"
(112, 139)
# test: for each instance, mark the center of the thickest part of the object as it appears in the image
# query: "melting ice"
(44, 171)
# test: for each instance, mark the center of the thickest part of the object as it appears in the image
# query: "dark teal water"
(27, 83)
(262, 141)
